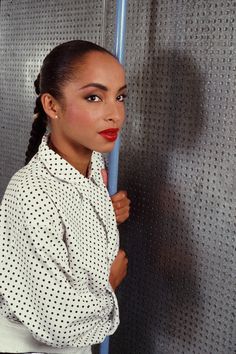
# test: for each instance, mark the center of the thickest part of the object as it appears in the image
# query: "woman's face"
(93, 102)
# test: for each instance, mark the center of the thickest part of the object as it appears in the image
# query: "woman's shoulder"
(28, 194)
(28, 179)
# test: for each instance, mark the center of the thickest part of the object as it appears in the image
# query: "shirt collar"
(63, 170)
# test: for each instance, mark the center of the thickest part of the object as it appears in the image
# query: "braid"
(39, 125)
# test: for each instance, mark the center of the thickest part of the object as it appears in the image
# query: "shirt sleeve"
(36, 279)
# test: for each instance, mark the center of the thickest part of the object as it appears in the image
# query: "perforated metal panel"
(178, 164)
(28, 31)
(177, 157)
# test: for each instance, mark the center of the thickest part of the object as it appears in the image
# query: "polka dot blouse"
(59, 238)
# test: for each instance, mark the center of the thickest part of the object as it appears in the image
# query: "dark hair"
(57, 69)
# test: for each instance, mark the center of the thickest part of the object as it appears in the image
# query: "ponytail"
(39, 125)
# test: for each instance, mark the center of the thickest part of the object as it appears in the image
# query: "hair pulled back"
(56, 71)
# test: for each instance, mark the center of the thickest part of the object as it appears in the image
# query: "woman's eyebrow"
(122, 88)
(102, 87)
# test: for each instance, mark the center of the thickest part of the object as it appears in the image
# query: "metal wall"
(177, 157)
(28, 31)
(178, 164)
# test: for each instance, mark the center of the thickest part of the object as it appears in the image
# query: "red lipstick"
(110, 134)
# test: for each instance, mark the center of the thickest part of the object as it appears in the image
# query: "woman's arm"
(36, 279)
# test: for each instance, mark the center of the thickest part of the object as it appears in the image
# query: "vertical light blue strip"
(121, 7)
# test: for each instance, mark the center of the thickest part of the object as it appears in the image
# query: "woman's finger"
(119, 196)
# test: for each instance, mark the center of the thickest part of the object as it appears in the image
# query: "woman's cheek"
(78, 117)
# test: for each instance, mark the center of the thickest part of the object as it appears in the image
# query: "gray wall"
(177, 157)
(28, 31)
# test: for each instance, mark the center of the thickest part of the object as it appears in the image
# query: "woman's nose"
(115, 113)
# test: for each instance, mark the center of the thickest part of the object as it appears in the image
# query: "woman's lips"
(110, 134)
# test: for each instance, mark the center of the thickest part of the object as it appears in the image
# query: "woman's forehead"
(100, 68)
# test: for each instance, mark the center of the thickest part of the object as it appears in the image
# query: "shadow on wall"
(160, 300)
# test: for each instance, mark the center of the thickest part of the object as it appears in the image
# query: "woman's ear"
(50, 105)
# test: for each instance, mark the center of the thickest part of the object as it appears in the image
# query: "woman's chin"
(105, 149)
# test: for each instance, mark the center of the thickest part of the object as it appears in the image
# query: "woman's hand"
(118, 269)
(121, 205)
(120, 201)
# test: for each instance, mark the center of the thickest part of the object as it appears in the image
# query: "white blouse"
(59, 238)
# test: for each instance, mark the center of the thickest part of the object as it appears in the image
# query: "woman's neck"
(80, 162)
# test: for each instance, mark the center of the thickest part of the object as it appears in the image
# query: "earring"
(56, 116)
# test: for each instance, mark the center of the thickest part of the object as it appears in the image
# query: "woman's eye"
(93, 98)
(121, 98)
